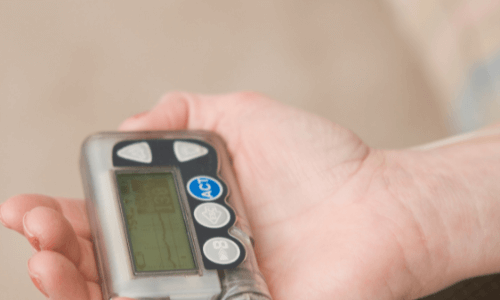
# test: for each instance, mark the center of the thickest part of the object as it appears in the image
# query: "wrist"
(450, 196)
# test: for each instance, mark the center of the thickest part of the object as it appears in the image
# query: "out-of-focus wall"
(458, 43)
(68, 69)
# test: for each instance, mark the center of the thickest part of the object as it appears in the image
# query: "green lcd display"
(156, 228)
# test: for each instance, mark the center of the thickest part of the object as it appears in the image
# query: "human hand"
(331, 218)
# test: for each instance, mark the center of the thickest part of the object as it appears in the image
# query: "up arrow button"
(185, 151)
(139, 152)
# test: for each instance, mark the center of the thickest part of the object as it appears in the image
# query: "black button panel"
(206, 193)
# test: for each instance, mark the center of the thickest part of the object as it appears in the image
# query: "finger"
(222, 114)
(57, 277)
(88, 265)
(173, 119)
(95, 292)
(47, 229)
(14, 209)
(74, 210)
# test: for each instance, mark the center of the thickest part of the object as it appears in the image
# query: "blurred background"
(398, 73)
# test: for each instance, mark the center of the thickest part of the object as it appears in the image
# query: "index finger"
(13, 210)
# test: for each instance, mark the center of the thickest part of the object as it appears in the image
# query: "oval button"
(204, 188)
(221, 250)
(212, 215)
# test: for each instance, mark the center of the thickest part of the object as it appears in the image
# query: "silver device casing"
(110, 235)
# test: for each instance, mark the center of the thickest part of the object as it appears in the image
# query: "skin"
(332, 218)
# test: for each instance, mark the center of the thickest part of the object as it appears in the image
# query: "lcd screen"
(155, 224)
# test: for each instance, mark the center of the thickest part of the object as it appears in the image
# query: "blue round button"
(204, 188)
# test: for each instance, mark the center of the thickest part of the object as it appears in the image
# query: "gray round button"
(212, 215)
(221, 250)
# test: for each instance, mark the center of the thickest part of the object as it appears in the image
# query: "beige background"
(71, 69)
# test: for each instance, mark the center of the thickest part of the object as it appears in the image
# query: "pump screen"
(155, 224)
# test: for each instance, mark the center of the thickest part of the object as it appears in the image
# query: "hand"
(331, 218)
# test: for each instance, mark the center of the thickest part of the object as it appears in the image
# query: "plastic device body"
(111, 239)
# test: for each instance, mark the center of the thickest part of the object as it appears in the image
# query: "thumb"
(223, 114)
(170, 113)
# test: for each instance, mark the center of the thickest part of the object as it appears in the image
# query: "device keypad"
(206, 193)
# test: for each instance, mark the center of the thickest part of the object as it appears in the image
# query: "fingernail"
(139, 115)
(36, 281)
(35, 243)
(1, 218)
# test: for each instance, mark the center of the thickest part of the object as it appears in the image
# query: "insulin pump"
(167, 218)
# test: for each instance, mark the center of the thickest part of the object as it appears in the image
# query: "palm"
(304, 181)
(311, 223)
